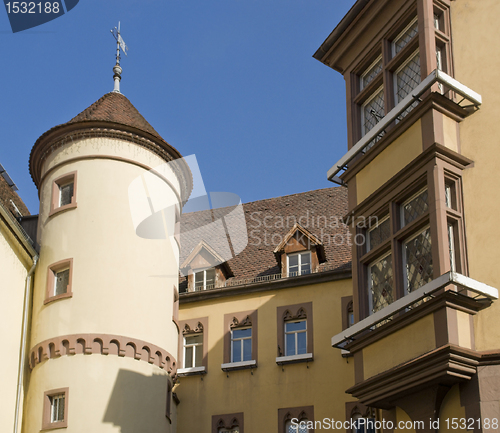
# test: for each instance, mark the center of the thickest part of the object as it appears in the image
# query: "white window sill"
(305, 357)
(238, 365)
(191, 371)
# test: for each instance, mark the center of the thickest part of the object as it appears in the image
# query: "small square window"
(55, 409)
(295, 337)
(299, 264)
(241, 345)
(59, 277)
(63, 193)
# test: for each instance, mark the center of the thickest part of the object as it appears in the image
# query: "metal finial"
(117, 70)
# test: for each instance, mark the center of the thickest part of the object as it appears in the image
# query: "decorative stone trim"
(103, 344)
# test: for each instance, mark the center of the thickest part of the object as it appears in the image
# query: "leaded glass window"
(229, 430)
(381, 283)
(414, 207)
(379, 234)
(300, 427)
(371, 72)
(401, 40)
(372, 111)
(61, 282)
(417, 256)
(57, 408)
(407, 77)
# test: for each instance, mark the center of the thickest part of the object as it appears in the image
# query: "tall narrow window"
(193, 350)
(380, 284)
(299, 264)
(241, 345)
(295, 337)
(451, 248)
(57, 408)
(59, 277)
(63, 193)
(417, 259)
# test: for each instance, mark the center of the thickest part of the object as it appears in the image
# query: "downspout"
(22, 352)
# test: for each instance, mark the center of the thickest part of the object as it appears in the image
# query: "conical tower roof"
(114, 115)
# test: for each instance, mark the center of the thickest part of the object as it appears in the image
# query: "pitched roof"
(116, 108)
(7, 194)
(269, 221)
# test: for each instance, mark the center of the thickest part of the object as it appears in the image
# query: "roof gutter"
(339, 30)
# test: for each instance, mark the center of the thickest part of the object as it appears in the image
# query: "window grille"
(404, 37)
(407, 78)
(415, 207)
(379, 234)
(57, 408)
(300, 427)
(371, 72)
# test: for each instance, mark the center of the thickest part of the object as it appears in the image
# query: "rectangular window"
(372, 110)
(417, 259)
(299, 264)
(241, 345)
(55, 409)
(370, 73)
(379, 234)
(59, 278)
(204, 280)
(406, 78)
(414, 207)
(451, 248)
(193, 350)
(380, 284)
(295, 337)
(63, 193)
(403, 38)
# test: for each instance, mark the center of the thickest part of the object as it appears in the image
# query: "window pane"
(66, 193)
(62, 281)
(451, 244)
(295, 326)
(242, 333)
(198, 359)
(407, 78)
(404, 37)
(371, 72)
(415, 207)
(293, 260)
(290, 344)
(236, 351)
(380, 233)
(301, 343)
(210, 278)
(57, 408)
(194, 339)
(247, 349)
(305, 263)
(371, 113)
(188, 361)
(381, 283)
(198, 280)
(418, 257)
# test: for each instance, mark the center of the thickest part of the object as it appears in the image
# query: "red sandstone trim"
(103, 344)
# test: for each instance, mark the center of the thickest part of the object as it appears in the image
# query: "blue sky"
(231, 81)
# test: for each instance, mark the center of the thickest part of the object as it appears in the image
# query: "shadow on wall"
(138, 403)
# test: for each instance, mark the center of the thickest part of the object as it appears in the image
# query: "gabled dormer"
(205, 268)
(300, 252)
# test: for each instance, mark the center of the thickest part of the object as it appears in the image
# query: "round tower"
(103, 334)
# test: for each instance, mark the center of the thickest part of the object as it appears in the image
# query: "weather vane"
(120, 44)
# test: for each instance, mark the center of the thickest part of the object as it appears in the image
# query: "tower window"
(59, 278)
(63, 193)
(55, 409)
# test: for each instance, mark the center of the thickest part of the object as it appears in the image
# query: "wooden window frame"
(193, 327)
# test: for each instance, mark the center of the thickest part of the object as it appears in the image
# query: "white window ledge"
(305, 357)
(238, 365)
(191, 371)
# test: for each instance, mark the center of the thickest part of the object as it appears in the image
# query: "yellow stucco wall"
(451, 408)
(389, 162)
(112, 394)
(14, 266)
(398, 347)
(320, 383)
(476, 68)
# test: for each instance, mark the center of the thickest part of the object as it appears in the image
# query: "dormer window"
(204, 280)
(299, 264)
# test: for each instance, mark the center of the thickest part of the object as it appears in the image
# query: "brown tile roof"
(7, 194)
(115, 107)
(269, 221)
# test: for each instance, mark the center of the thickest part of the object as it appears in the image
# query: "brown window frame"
(47, 424)
(228, 421)
(51, 274)
(65, 179)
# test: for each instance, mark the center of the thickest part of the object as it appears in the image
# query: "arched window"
(300, 427)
